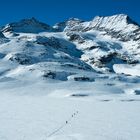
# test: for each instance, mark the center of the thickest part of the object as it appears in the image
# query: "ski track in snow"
(63, 125)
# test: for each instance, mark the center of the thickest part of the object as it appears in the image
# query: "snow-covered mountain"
(69, 48)
(76, 80)
(27, 26)
(113, 39)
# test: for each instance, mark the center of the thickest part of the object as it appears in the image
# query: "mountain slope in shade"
(1, 35)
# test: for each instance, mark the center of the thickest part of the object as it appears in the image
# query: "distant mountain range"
(73, 49)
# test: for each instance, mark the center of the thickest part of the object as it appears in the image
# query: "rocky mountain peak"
(30, 25)
(68, 24)
(116, 22)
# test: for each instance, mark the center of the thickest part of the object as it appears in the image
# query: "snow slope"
(127, 69)
(35, 115)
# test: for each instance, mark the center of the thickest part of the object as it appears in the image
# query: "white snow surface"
(127, 69)
(47, 111)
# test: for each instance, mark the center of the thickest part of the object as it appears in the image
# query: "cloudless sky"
(53, 11)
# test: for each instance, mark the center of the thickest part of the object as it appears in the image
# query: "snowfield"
(67, 110)
(127, 69)
(41, 117)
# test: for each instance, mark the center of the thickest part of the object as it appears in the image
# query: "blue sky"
(52, 11)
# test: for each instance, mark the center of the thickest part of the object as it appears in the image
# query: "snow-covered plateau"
(76, 80)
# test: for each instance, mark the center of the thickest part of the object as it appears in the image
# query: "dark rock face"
(68, 24)
(51, 41)
(75, 37)
(50, 74)
(79, 95)
(83, 78)
(3, 39)
(22, 59)
(1, 35)
(137, 92)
